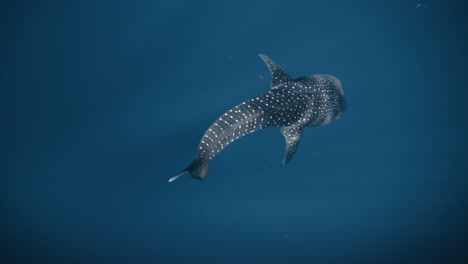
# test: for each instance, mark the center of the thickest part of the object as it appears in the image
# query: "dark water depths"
(102, 102)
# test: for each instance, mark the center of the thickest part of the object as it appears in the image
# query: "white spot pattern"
(291, 104)
(308, 101)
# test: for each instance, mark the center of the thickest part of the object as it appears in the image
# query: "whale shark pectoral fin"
(278, 75)
(292, 136)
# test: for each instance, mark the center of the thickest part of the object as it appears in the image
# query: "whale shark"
(290, 104)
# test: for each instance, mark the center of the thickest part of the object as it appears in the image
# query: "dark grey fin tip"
(287, 158)
(266, 59)
(197, 169)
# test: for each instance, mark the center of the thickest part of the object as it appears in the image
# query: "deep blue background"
(101, 102)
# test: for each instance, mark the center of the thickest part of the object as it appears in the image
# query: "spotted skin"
(291, 105)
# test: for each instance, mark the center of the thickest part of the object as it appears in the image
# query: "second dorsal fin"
(279, 76)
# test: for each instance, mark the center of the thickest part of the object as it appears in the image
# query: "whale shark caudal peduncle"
(291, 105)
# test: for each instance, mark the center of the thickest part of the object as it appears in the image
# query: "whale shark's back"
(327, 97)
(291, 104)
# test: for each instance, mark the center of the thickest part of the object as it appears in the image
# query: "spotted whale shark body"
(291, 105)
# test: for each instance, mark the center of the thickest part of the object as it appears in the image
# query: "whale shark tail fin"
(197, 169)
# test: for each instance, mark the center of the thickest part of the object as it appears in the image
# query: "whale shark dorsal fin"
(293, 136)
(278, 75)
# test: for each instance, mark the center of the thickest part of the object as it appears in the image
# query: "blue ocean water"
(103, 101)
